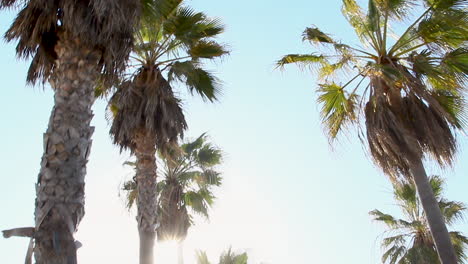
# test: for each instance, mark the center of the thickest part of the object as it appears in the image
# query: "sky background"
(287, 196)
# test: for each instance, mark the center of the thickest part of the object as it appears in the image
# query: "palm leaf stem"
(168, 48)
(359, 50)
(357, 86)
(397, 44)
(352, 79)
(364, 93)
(137, 59)
(160, 48)
(384, 46)
(175, 59)
(410, 49)
(140, 40)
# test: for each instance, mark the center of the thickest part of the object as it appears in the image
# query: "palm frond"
(338, 109)
(207, 50)
(389, 220)
(202, 258)
(196, 79)
(302, 60)
(397, 9)
(452, 211)
(229, 257)
(316, 36)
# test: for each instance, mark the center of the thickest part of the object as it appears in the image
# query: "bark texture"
(67, 142)
(147, 194)
(434, 216)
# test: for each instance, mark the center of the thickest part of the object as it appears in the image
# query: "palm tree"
(185, 190)
(72, 44)
(409, 90)
(227, 257)
(147, 115)
(409, 240)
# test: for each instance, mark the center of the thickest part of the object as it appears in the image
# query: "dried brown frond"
(404, 122)
(390, 142)
(102, 25)
(147, 103)
(174, 220)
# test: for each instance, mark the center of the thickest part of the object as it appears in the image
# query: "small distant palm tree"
(171, 46)
(408, 91)
(227, 257)
(185, 190)
(409, 241)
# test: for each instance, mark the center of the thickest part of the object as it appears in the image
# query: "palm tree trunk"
(434, 216)
(147, 193)
(67, 143)
(180, 252)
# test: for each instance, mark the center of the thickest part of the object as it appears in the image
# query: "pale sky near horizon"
(287, 197)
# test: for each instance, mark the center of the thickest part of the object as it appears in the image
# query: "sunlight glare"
(166, 252)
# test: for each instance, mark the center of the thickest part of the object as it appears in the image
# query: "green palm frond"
(199, 201)
(389, 220)
(208, 155)
(452, 211)
(460, 244)
(210, 177)
(338, 109)
(446, 4)
(397, 9)
(397, 240)
(455, 62)
(196, 79)
(207, 50)
(190, 147)
(202, 258)
(154, 11)
(229, 257)
(443, 29)
(411, 240)
(315, 35)
(130, 188)
(303, 61)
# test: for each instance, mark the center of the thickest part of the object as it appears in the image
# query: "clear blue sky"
(287, 197)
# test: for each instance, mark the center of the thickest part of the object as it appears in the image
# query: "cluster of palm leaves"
(227, 257)
(185, 189)
(407, 93)
(409, 240)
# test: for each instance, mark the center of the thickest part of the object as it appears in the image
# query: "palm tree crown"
(102, 25)
(186, 189)
(171, 46)
(409, 240)
(409, 90)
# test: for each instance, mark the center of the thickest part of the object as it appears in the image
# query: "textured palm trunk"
(434, 216)
(180, 252)
(67, 143)
(146, 202)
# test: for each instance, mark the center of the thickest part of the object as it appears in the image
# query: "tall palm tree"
(227, 257)
(72, 44)
(409, 90)
(171, 47)
(185, 190)
(409, 240)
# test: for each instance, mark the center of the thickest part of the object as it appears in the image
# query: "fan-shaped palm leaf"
(410, 240)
